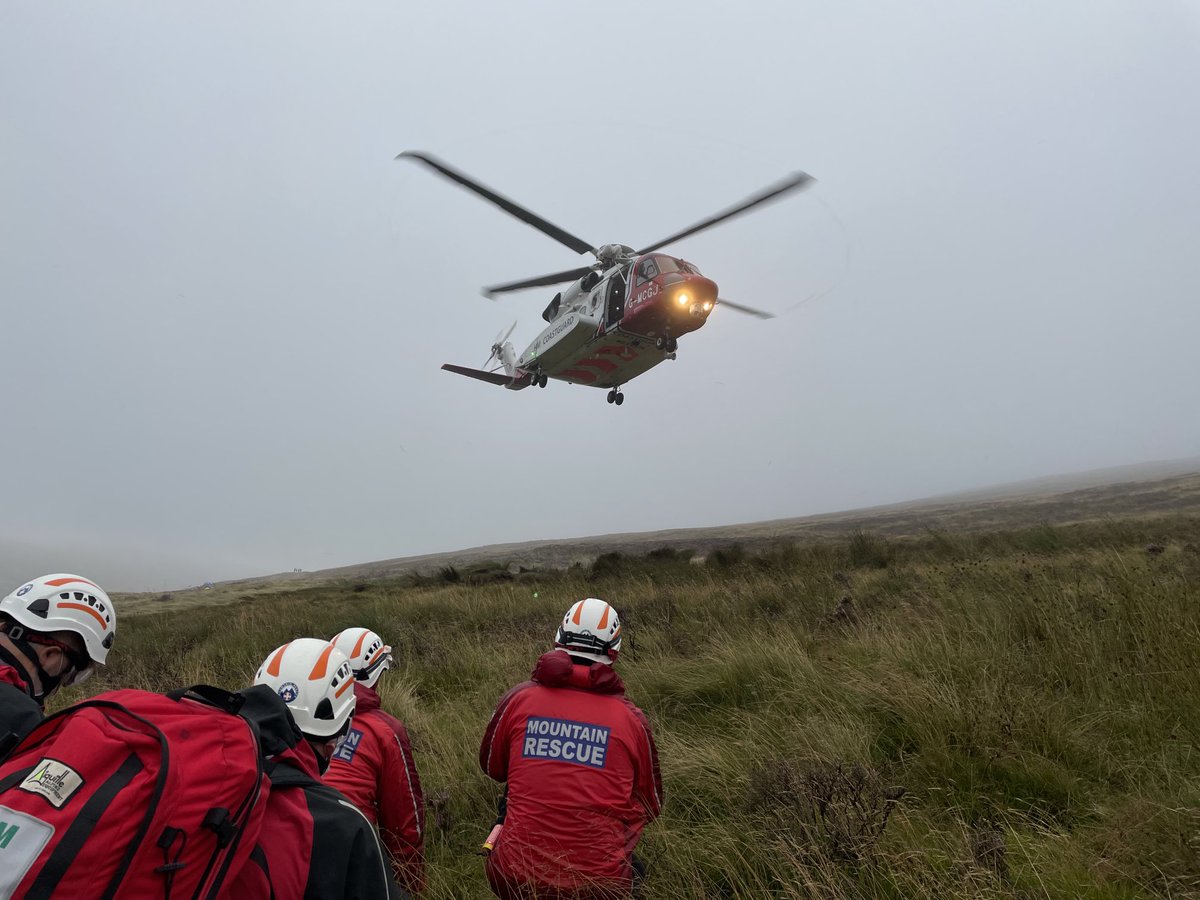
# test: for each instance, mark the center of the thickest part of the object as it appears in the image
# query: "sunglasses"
(385, 660)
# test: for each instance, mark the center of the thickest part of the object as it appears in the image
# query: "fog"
(225, 305)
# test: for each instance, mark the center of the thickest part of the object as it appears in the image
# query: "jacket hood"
(555, 669)
(11, 673)
(276, 728)
(366, 699)
(303, 758)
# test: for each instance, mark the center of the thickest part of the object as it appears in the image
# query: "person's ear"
(54, 660)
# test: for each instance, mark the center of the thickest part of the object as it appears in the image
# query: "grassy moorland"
(999, 714)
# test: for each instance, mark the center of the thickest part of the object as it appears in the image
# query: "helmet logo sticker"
(288, 691)
(25, 590)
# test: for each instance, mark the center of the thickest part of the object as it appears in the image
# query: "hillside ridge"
(1171, 486)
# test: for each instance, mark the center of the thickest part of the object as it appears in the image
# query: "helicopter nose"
(694, 295)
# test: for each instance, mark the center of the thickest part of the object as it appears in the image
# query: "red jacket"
(278, 866)
(313, 845)
(375, 769)
(583, 781)
(10, 675)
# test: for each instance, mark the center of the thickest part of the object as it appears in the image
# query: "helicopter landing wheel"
(672, 344)
(660, 343)
(542, 380)
(612, 396)
(620, 398)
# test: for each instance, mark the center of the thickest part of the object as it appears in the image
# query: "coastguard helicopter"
(621, 316)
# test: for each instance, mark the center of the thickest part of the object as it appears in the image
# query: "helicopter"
(621, 316)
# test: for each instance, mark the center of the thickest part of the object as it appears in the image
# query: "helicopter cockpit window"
(646, 270)
(669, 264)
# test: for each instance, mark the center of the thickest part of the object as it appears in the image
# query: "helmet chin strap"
(17, 635)
(322, 761)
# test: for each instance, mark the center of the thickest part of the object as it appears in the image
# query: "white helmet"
(369, 656)
(313, 678)
(591, 629)
(66, 603)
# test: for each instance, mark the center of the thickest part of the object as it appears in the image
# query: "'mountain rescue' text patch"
(565, 741)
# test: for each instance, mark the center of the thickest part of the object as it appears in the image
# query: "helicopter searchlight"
(618, 317)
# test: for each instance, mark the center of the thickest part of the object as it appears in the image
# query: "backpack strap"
(228, 701)
(259, 858)
(20, 714)
(81, 829)
(284, 775)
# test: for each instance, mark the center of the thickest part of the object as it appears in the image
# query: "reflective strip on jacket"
(375, 769)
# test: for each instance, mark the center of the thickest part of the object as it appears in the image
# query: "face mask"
(27, 644)
(70, 673)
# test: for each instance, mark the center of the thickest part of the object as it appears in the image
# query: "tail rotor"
(498, 344)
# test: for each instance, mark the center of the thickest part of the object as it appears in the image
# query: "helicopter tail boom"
(514, 382)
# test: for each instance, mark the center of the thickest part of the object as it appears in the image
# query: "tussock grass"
(985, 715)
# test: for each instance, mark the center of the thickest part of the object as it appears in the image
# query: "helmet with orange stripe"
(64, 603)
(591, 629)
(313, 678)
(369, 656)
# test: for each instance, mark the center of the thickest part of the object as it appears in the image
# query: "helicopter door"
(615, 299)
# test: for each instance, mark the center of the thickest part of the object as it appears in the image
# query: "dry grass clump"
(837, 809)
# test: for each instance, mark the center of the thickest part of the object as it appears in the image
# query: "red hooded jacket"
(314, 844)
(278, 866)
(583, 781)
(10, 675)
(375, 769)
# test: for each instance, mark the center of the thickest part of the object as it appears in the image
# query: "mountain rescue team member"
(314, 844)
(374, 765)
(580, 765)
(54, 631)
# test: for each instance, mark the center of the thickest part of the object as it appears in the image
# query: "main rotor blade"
(748, 310)
(792, 183)
(579, 245)
(540, 281)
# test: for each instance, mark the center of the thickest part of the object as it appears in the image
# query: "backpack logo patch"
(53, 780)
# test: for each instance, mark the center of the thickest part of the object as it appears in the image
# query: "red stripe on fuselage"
(581, 374)
(602, 364)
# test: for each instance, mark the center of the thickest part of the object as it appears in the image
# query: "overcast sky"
(225, 305)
